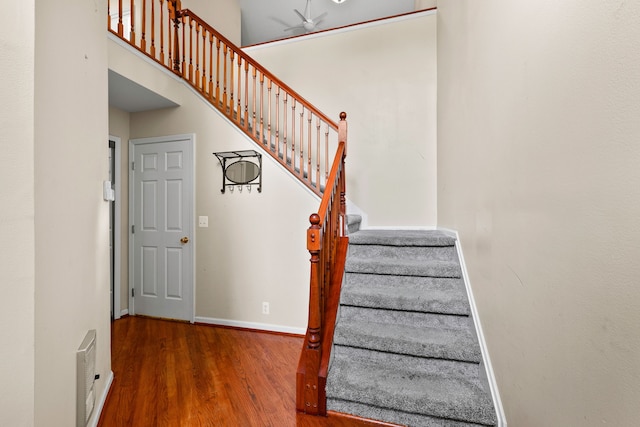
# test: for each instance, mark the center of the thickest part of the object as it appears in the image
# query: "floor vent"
(86, 377)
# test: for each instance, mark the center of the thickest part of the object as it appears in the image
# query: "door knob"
(184, 240)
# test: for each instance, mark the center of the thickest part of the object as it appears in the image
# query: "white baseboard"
(97, 411)
(251, 325)
(124, 312)
(493, 384)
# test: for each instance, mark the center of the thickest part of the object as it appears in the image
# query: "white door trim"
(117, 228)
(192, 142)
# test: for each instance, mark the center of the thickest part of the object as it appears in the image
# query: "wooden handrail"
(326, 244)
(287, 126)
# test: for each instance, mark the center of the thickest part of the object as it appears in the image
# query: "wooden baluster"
(120, 26)
(293, 135)
(143, 39)
(218, 71)
(318, 141)
(254, 94)
(161, 32)
(301, 144)
(190, 50)
(277, 144)
(231, 86)
(224, 82)
(197, 73)
(170, 15)
(262, 108)
(184, 47)
(314, 328)
(204, 61)
(132, 34)
(284, 127)
(269, 115)
(239, 94)
(211, 94)
(309, 150)
(176, 38)
(153, 29)
(326, 154)
(246, 94)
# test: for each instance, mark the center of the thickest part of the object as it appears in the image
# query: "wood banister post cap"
(314, 219)
(343, 116)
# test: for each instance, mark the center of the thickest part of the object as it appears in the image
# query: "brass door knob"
(184, 240)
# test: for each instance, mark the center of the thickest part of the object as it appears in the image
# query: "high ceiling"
(266, 20)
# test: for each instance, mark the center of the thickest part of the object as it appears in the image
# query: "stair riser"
(440, 253)
(400, 418)
(462, 350)
(407, 318)
(399, 269)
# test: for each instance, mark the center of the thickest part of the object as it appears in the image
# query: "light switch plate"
(203, 221)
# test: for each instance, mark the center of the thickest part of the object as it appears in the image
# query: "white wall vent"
(86, 377)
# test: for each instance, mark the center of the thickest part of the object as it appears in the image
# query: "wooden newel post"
(175, 9)
(313, 349)
(342, 131)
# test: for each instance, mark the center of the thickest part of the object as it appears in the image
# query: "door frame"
(155, 140)
(117, 227)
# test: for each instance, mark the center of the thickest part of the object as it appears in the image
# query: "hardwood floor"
(177, 374)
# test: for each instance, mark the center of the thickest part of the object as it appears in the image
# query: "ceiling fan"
(308, 23)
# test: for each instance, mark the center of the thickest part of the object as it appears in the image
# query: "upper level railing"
(282, 122)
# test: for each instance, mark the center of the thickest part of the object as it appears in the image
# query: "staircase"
(405, 349)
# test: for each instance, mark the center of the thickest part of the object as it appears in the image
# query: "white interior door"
(161, 215)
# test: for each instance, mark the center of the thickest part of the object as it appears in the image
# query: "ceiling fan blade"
(300, 15)
(280, 21)
(297, 27)
(320, 17)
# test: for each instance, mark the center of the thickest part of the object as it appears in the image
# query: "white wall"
(223, 15)
(538, 160)
(254, 249)
(384, 77)
(119, 126)
(425, 4)
(17, 272)
(71, 219)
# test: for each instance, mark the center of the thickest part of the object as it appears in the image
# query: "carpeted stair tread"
(403, 267)
(393, 416)
(405, 348)
(439, 343)
(408, 318)
(412, 391)
(428, 366)
(412, 293)
(401, 238)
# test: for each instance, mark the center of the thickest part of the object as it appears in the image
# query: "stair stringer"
(486, 358)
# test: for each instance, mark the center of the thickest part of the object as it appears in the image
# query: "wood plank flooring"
(177, 374)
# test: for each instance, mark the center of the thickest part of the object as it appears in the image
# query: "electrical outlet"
(203, 221)
(265, 308)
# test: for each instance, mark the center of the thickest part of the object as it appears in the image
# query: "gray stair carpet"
(405, 349)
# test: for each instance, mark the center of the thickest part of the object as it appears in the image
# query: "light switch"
(203, 221)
